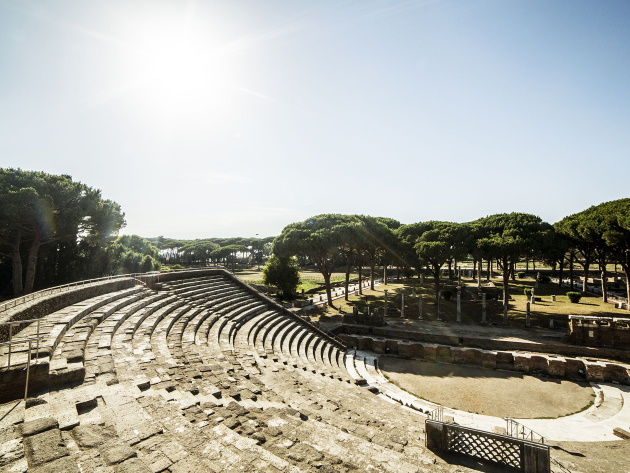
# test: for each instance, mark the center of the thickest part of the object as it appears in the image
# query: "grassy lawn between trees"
(541, 312)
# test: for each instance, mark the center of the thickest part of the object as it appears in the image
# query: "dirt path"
(487, 391)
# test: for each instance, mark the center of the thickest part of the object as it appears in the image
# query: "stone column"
(484, 308)
(537, 278)
(402, 305)
(459, 304)
(527, 313)
(420, 316)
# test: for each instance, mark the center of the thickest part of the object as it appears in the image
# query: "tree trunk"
(512, 270)
(16, 263)
(506, 282)
(328, 291)
(384, 273)
(527, 265)
(31, 265)
(479, 271)
(561, 271)
(450, 270)
(489, 275)
(436, 283)
(347, 281)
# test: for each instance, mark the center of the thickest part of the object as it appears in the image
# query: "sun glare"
(174, 69)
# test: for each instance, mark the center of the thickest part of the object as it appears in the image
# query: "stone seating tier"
(179, 386)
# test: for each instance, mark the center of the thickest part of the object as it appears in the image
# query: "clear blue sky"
(235, 118)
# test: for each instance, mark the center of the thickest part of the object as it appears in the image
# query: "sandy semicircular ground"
(487, 391)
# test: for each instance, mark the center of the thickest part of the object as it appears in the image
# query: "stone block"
(430, 352)
(574, 369)
(488, 359)
(522, 362)
(391, 346)
(443, 354)
(539, 364)
(505, 360)
(458, 355)
(556, 367)
(44, 447)
(472, 356)
(406, 349)
(377, 346)
(594, 371)
(366, 343)
(616, 373)
(38, 425)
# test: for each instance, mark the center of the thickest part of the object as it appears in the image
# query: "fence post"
(10, 346)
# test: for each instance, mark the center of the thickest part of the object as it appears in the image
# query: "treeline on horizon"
(54, 230)
(598, 235)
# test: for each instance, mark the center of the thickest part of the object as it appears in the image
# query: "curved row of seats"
(204, 375)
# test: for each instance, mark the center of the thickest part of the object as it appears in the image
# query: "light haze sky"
(235, 118)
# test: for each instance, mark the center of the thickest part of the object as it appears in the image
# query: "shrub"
(527, 292)
(446, 294)
(521, 274)
(544, 279)
(574, 297)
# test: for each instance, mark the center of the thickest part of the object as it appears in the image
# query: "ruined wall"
(530, 363)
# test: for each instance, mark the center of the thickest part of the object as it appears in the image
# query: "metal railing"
(518, 430)
(10, 343)
(437, 414)
(28, 359)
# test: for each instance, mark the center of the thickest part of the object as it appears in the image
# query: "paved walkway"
(610, 410)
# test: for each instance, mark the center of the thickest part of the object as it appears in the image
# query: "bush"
(446, 294)
(521, 274)
(527, 292)
(574, 297)
(544, 279)
(283, 273)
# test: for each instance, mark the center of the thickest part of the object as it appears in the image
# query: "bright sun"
(172, 67)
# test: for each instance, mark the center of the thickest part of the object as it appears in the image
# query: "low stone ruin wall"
(531, 363)
(487, 343)
(600, 331)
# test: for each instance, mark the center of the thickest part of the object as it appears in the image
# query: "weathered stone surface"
(64, 464)
(11, 451)
(39, 425)
(44, 447)
(114, 452)
(133, 465)
(89, 436)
